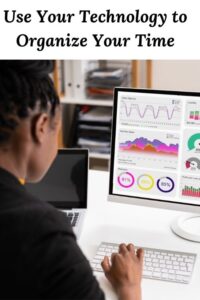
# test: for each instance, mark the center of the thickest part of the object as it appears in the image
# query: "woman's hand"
(125, 271)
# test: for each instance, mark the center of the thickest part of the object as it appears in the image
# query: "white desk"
(113, 222)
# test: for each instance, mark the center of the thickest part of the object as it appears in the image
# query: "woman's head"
(29, 115)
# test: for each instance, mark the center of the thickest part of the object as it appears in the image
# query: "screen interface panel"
(156, 147)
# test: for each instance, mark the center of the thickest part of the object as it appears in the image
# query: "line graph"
(149, 112)
(151, 108)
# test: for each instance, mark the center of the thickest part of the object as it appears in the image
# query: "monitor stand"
(187, 227)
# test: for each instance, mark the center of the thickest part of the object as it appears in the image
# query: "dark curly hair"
(23, 84)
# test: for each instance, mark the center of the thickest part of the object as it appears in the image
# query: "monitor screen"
(65, 183)
(156, 146)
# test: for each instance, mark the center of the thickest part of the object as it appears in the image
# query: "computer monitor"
(155, 155)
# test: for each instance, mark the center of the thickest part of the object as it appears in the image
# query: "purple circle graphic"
(126, 180)
(165, 186)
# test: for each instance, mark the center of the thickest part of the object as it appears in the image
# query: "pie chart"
(194, 142)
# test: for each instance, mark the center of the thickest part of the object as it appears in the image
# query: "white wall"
(176, 75)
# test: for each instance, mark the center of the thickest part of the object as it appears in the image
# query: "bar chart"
(192, 116)
(190, 187)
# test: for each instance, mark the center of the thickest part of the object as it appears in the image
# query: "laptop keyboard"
(73, 217)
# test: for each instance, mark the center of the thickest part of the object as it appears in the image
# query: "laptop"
(65, 185)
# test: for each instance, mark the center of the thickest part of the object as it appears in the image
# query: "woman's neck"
(13, 163)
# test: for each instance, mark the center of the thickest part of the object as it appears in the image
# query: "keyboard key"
(100, 257)
(172, 277)
(102, 253)
(187, 260)
(147, 273)
(173, 258)
(102, 249)
(162, 261)
(164, 270)
(180, 259)
(164, 275)
(169, 267)
(183, 273)
(155, 265)
(189, 267)
(156, 274)
(148, 259)
(157, 269)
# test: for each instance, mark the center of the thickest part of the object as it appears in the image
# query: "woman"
(39, 256)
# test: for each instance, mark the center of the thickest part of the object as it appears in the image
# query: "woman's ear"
(39, 127)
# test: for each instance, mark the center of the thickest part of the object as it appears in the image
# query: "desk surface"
(148, 227)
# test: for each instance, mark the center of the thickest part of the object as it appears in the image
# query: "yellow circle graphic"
(145, 182)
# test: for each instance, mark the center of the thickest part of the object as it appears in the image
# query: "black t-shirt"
(39, 256)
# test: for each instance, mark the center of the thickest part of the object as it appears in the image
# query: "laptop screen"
(65, 183)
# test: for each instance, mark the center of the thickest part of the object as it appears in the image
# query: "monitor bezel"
(141, 201)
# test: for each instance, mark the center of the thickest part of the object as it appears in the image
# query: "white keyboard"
(158, 264)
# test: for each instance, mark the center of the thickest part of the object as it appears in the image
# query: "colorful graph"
(126, 179)
(147, 146)
(151, 184)
(193, 164)
(190, 188)
(165, 184)
(190, 191)
(145, 182)
(194, 115)
(140, 148)
(150, 112)
(150, 108)
(194, 141)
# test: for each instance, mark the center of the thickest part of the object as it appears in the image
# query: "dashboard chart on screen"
(157, 146)
(154, 113)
